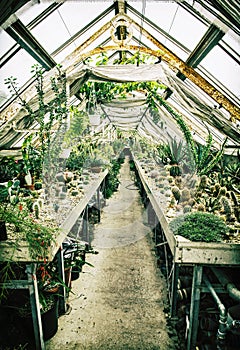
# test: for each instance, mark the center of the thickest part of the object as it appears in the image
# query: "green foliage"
(112, 181)
(199, 226)
(9, 168)
(79, 126)
(172, 153)
(56, 109)
(32, 158)
(38, 237)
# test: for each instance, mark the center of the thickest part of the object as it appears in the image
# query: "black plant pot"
(50, 321)
(3, 231)
(75, 274)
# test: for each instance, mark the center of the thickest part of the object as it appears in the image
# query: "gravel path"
(119, 303)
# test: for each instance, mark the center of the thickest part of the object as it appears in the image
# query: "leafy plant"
(79, 126)
(9, 168)
(111, 180)
(199, 226)
(38, 237)
(48, 114)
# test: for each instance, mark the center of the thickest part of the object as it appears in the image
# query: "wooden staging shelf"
(185, 251)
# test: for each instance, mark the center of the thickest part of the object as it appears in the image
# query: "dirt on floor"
(121, 302)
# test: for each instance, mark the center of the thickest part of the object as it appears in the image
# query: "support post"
(173, 300)
(62, 299)
(34, 301)
(98, 205)
(194, 308)
(85, 225)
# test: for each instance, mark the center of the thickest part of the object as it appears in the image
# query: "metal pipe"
(222, 329)
(232, 290)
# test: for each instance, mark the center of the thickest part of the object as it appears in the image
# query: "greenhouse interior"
(120, 175)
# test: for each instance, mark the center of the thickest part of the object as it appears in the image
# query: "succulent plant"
(36, 209)
(176, 193)
(216, 189)
(191, 202)
(187, 209)
(203, 182)
(227, 209)
(222, 191)
(172, 203)
(198, 226)
(185, 195)
(201, 207)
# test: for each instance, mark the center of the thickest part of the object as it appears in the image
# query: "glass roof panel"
(232, 39)
(184, 24)
(52, 32)
(66, 21)
(77, 15)
(224, 68)
(30, 11)
(163, 17)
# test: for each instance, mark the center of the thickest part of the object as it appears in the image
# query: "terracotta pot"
(30, 187)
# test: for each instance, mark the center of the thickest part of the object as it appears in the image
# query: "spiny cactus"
(236, 207)
(172, 203)
(216, 189)
(234, 198)
(222, 191)
(178, 181)
(187, 209)
(36, 209)
(191, 202)
(227, 209)
(203, 182)
(176, 193)
(175, 170)
(201, 207)
(185, 195)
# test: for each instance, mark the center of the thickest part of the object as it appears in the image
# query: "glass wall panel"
(6, 42)
(19, 67)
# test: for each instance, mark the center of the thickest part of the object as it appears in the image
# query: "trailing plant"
(199, 226)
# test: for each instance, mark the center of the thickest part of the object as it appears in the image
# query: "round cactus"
(201, 207)
(185, 195)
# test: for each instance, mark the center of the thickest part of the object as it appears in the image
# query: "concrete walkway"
(119, 303)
